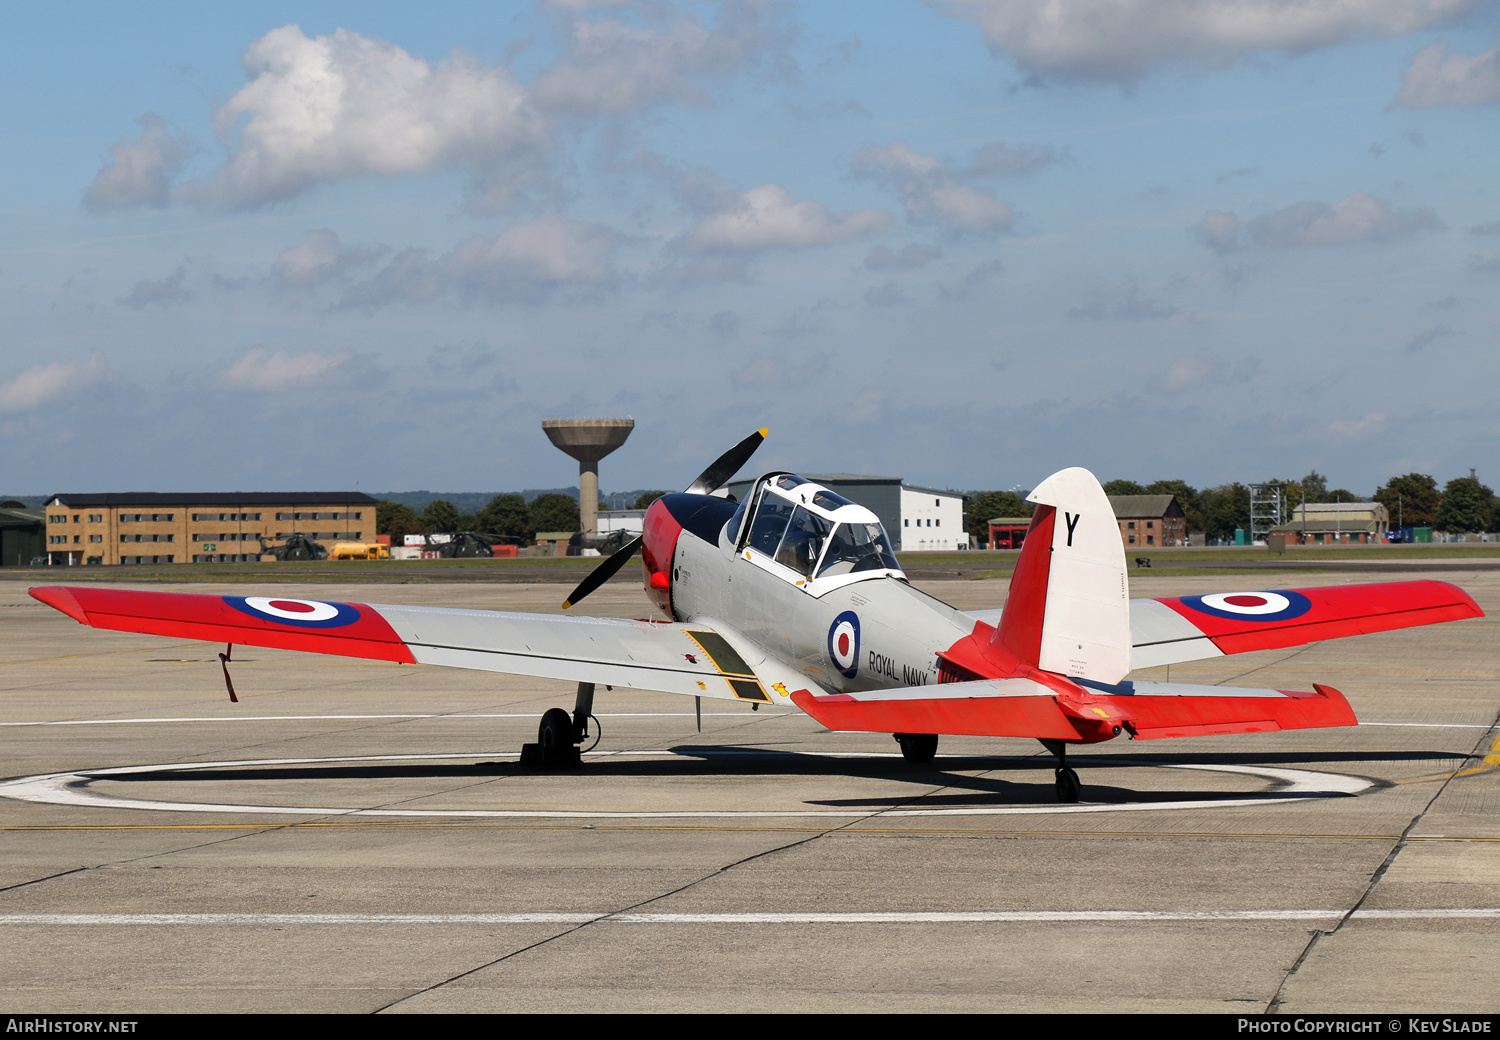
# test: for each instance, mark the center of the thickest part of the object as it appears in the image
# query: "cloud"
(913, 256)
(976, 278)
(165, 293)
(1127, 303)
(1440, 76)
(526, 263)
(256, 369)
(931, 194)
(767, 218)
(1492, 228)
(347, 105)
(1372, 425)
(1425, 338)
(887, 295)
(43, 384)
(997, 159)
(611, 67)
(1123, 40)
(771, 370)
(725, 323)
(1219, 231)
(1190, 373)
(139, 171)
(1359, 218)
(319, 257)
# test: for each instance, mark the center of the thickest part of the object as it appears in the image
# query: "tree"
(1467, 506)
(1314, 487)
(646, 499)
(553, 512)
(1123, 487)
(983, 507)
(1411, 500)
(396, 520)
(1187, 497)
(507, 515)
(1225, 508)
(440, 516)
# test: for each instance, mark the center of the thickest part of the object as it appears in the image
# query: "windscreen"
(803, 542)
(771, 519)
(858, 547)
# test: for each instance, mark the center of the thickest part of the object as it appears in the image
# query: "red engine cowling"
(658, 546)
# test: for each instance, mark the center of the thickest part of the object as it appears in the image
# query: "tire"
(1068, 786)
(918, 748)
(556, 731)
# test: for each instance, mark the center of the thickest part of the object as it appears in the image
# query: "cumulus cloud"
(165, 293)
(1440, 76)
(998, 159)
(1123, 40)
(1127, 303)
(766, 218)
(139, 171)
(1219, 231)
(1359, 218)
(973, 281)
(611, 67)
(913, 256)
(931, 194)
(43, 384)
(346, 105)
(257, 369)
(319, 257)
(525, 263)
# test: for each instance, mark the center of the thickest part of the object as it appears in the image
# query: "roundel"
(304, 613)
(843, 643)
(1252, 606)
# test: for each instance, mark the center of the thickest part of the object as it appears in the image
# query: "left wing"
(698, 660)
(1174, 629)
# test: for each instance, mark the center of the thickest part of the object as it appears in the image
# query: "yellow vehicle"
(359, 551)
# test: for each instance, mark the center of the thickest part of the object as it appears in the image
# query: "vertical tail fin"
(1069, 605)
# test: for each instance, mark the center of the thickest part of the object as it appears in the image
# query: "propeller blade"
(725, 466)
(602, 573)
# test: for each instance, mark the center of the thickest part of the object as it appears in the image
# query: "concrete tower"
(588, 441)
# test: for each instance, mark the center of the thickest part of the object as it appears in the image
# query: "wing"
(1024, 708)
(699, 660)
(1190, 628)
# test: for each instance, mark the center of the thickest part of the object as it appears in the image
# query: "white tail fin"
(1085, 626)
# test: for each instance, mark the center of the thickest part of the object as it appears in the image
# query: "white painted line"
(431, 715)
(853, 917)
(74, 788)
(1433, 725)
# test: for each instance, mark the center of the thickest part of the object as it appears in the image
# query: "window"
(906, 523)
(96, 518)
(78, 518)
(96, 538)
(57, 519)
(77, 538)
(1150, 525)
(1130, 527)
(1151, 539)
(1132, 539)
(939, 521)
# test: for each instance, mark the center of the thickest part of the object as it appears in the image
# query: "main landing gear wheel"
(558, 736)
(1068, 786)
(917, 748)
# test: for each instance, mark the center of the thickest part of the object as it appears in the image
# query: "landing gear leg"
(917, 748)
(559, 734)
(1068, 786)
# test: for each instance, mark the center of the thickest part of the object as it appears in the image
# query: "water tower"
(588, 441)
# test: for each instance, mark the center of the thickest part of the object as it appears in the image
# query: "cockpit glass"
(770, 523)
(735, 521)
(830, 501)
(857, 547)
(787, 481)
(803, 542)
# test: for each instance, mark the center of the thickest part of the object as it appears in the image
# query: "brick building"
(155, 527)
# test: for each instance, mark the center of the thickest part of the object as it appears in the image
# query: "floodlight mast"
(588, 441)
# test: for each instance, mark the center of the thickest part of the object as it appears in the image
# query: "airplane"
(794, 597)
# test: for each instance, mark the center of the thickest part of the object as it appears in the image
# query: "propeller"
(709, 481)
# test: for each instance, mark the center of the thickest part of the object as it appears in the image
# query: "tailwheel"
(1068, 787)
(917, 748)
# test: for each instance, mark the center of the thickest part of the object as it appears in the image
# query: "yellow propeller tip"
(567, 603)
(764, 430)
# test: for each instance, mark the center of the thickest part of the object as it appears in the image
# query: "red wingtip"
(61, 599)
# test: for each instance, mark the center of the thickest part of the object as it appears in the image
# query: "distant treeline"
(509, 517)
(1413, 500)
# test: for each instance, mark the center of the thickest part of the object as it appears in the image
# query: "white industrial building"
(931, 521)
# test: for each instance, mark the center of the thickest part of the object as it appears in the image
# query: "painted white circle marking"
(73, 788)
(845, 645)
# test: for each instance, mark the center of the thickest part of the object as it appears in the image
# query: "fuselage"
(805, 575)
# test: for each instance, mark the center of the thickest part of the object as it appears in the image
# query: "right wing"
(1174, 629)
(699, 660)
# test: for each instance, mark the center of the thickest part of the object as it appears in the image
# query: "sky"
(326, 246)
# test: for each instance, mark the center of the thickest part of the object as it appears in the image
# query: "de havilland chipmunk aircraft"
(794, 597)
